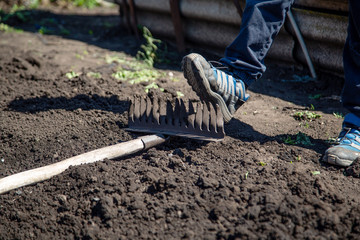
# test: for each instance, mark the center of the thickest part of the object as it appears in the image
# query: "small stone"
(62, 198)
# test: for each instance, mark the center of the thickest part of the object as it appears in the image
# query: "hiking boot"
(347, 148)
(212, 84)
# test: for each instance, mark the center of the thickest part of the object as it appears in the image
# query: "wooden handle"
(111, 152)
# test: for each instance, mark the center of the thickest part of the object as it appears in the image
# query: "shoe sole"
(335, 160)
(192, 72)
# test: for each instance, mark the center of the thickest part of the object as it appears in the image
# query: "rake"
(197, 121)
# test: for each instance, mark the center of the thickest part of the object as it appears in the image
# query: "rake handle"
(111, 152)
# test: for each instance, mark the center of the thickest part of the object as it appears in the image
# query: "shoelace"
(344, 137)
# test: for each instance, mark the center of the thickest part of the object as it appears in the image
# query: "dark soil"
(254, 184)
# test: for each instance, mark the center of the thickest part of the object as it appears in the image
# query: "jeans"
(262, 21)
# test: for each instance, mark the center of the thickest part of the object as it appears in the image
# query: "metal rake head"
(198, 121)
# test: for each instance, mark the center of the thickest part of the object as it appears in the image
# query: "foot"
(212, 84)
(347, 148)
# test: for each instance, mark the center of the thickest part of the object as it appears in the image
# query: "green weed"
(16, 12)
(331, 140)
(79, 56)
(316, 96)
(179, 94)
(338, 115)
(6, 28)
(72, 74)
(152, 85)
(134, 77)
(306, 115)
(86, 3)
(289, 140)
(94, 74)
(315, 173)
(149, 49)
(262, 164)
(299, 139)
(44, 30)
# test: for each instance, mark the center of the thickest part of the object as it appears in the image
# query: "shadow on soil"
(246, 133)
(84, 102)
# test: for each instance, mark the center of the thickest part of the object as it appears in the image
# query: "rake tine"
(183, 114)
(191, 116)
(155, 111)
(202, 121)
(198, 117)
(219, 120)
(137, 109)
(149, 117)
(169, 113)
(212, 118)
(205, 118)
(177, 113)
(162, 111)
(143, 110)
(131, 111)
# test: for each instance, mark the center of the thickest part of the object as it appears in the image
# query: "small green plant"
(331, 140)
(86, 3)
(94, 74)
(16, 12)
(316, 96)
(246, 175)
(298, 158)
(72, 74)
(306, 115)
(299, 139)
(289, 140)
(338, 115)
(44, 30)
(6, 28)
(116, 59)
(152, 85)
(315, 173)
(134, 77)
(79, 56)
(179, 94)
(262, 164)
(149, 49)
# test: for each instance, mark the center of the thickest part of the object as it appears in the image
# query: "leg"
(261, 22)
(243, 61)
(349, 140)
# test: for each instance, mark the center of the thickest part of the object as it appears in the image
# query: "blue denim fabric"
(351, 90)
(261, 22)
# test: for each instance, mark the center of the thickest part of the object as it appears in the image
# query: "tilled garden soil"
(264, 181)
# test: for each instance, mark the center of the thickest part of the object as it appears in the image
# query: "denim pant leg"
(261, 22)
(351, 90)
